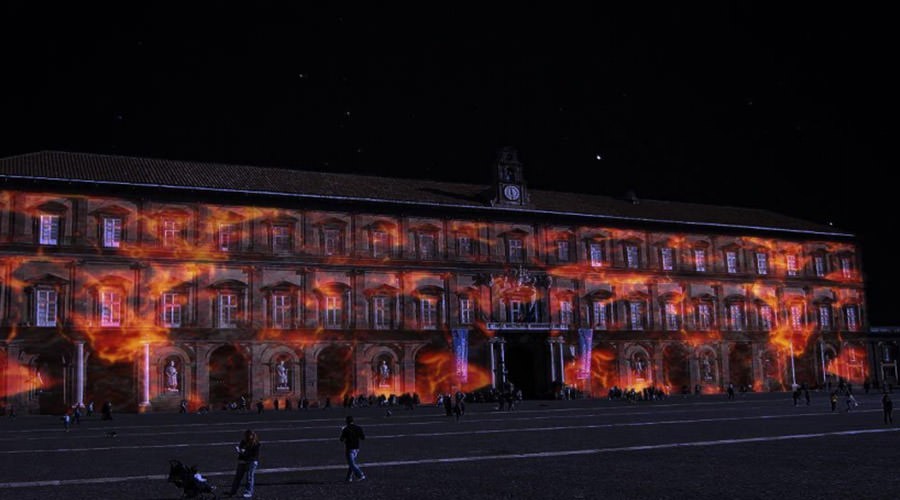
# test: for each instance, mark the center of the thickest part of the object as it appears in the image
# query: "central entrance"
(528, 364)
(228, 376)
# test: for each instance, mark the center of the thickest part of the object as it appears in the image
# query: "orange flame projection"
(849, 364)
(436, 374)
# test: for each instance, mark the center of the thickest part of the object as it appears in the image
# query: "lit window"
(846, 267)
(562, 250)
(49, 230)
(112, 232)
(565, 312)
(426, 246)
(819, 265)
(766, 318)
(700, 260)
(636, 315)
(381, 318)
(793, 266)
(429, 312)
(824, 317)
(333, 305)
(736, 313)
(45, 307)
(704, 316)
(762, 263)
(465, 311)
(516, 311)
(228, 310)
(731, 262)
(596, 251)
(463, 245)
(667, 258)
(671, 316)
(281, 310)
(228, 237)
(516, 250)
(171, 232)
(796, 311)
(332, 241)
(852, 317)
(171, 310)
(379, 244)
(601, 318)
(632, 257)
(281, 238)
(110, 308)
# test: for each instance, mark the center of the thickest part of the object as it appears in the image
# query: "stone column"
(409, 368)
(145, 382)
(491, 344)
(550, 343)
(311, 377)
(560, 342)
(759, 377)
(201, 368)
(725, 378)
(79, 373)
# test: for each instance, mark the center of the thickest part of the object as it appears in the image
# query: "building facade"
(148, 282)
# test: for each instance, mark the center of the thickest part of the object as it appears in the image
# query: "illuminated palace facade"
(147, 282)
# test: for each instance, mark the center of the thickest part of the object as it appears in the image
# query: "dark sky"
(787, 108)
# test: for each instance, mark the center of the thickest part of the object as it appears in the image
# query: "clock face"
(511, 193)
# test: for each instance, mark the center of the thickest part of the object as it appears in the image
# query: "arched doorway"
(676, 368)
(229, 376)
(604, 370)
(335, 373)
(527, 365)
(113, 381)
(435, 372)
(740, 365)
(49, 383)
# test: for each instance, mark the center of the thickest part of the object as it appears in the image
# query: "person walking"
(248, 461)
(351, 435)
(834, 399)
(67, 420)
(107, 410)
(730, 392)
(888, 407)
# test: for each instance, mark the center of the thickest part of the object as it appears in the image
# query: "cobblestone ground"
(759, 446)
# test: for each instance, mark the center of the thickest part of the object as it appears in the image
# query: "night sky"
(789, 108)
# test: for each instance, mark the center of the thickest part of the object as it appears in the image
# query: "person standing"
(888, 407)
(351, 435)
(107, 410)
(730, 392)
(834, 398)
(248, 461)
(259, 407)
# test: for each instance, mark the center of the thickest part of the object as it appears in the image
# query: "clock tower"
(509, 184)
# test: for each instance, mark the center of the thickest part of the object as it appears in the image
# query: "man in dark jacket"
(351, 435)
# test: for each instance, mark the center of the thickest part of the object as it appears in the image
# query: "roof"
(58, 166)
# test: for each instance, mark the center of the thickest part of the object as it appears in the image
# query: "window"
(766, 318)
(700, 260)
(632, 257)
(171, 309)
(562, 250)
(229, 237)
(45, 307)
(666, 257)
(565, 312)
(736, 316)
(851, 317)
(465, 311)
(110, 308)
(671, 312)
(793, 267)
(427, 249)
(731, 264)
(819, 265)
(281, 310)
(704, 316)
(333, 308)
(112, 232)
(228, 310)
(281, 238)
(172, 232)
(428, 312)
(825, 316)
(636, 314)
(380, 244)
(381, 312)
(516, 311)
(762, 263)
(463, 245)
(796, 312)
(596, 251)
(49, 229)
(847, 267)
(331, 241)
(601, 315)
(516, 250)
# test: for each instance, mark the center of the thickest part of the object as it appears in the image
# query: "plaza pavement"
(758, 446)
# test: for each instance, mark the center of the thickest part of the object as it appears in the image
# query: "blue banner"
(461, 354)
(585, 342)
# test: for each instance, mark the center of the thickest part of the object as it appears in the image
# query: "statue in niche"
(639, 366)
(281, 372)
(384, 373)
(706, 364)
(171, 376)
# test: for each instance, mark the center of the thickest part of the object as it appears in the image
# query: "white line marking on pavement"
(520, 456)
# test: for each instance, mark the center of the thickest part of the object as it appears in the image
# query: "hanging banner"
(461, 354)
(585, 342)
